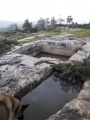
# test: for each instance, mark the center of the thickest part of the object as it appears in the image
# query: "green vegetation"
(69, 19)
(73, 73)
(53, 22)
(40, 24)
(82, 32)
(13, 28)
(23, 42)
(5, 45)
(27, 26)
(15, 36)
(47, 34)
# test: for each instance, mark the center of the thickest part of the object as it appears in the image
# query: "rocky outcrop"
(20, 72)
(81, 54)
(86, 47)
(56, 45)
(63, 47)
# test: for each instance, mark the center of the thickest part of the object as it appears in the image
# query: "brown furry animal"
(10, 107)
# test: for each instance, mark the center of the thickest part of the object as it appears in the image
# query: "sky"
(19, 10)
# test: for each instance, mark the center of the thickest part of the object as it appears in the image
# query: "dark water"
(48, 98)
(42, 54)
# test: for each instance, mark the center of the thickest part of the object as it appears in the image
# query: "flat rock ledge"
(82, 54)
(20, 72)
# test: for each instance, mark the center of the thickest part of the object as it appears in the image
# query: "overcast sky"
(19, 10)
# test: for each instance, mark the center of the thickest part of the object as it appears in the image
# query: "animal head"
(11, 108)
(18, 109)
(23, 108)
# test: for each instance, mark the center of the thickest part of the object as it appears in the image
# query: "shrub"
(5, 45)
(74, 73)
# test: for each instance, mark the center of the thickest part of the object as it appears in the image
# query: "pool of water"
(42, 54)
(48, 98)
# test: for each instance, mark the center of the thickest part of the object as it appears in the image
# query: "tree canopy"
(69, 19)
(53, 22)
(13, 28)
(40, 24)
(27, 26)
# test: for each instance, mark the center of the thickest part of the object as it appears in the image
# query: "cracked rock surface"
(18, 71)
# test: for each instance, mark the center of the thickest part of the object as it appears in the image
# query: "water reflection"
(67, 86)
(49, 97)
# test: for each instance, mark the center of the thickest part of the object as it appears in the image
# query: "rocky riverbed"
(20, 71)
